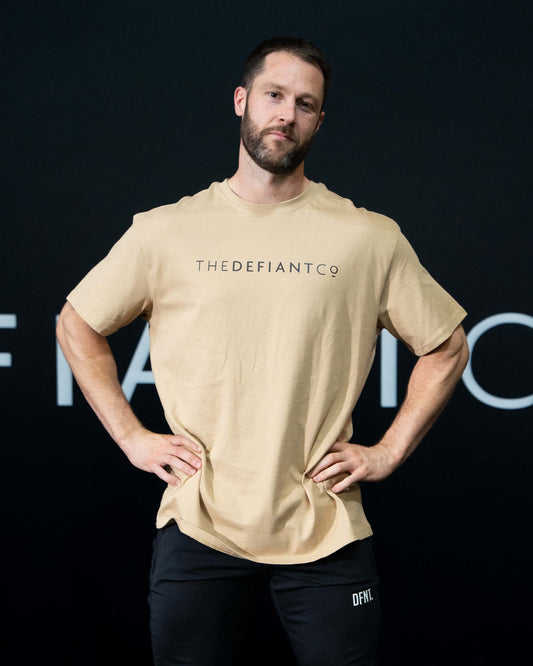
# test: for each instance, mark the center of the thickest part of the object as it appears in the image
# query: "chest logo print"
(254, 266)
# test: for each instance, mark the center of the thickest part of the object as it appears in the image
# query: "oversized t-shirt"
(263, 327)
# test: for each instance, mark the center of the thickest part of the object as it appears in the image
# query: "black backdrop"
(112, 108)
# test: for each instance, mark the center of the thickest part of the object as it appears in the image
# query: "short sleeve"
(413, 306)
(116, 290)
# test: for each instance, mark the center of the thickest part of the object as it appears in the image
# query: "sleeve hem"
(86, 316)
(442, 335)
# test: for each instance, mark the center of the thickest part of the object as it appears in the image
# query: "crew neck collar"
(288, 204)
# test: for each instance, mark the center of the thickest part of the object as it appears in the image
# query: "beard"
(280, 161)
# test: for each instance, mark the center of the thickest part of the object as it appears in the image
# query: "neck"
(253, 183)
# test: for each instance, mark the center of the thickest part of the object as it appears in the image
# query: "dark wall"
(112, 108)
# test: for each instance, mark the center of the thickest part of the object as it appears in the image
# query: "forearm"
(93, 365)
(430, 386)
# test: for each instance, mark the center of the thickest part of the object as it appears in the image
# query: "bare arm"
(431, 385)
(92, 363)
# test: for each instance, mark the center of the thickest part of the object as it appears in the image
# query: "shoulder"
(359, 217)
(161, 216)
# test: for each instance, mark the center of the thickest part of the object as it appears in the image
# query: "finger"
(165, 476)
(353, 478)
(180, 464)
(189, 457)
(336, 468)
(345, 484)
(180, 440)
(325, 462)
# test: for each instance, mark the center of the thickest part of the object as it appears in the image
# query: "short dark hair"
(298, 46)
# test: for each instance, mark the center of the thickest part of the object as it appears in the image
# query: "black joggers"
(200, 599)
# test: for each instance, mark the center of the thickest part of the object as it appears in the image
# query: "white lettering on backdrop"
(136, 374)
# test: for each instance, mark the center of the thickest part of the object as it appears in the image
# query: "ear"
(239, 100)
(320, 121)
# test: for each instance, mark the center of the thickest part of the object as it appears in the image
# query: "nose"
(287, 112)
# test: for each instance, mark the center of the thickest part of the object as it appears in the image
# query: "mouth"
(280, 135)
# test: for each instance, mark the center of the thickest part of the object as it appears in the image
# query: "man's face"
(281, 112)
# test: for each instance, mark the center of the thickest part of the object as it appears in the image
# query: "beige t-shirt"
(263, 327)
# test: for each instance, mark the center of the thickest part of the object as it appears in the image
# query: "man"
(265, 295)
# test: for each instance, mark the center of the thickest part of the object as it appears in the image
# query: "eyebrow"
(305, 95)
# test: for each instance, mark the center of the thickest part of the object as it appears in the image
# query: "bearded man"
(265, 294)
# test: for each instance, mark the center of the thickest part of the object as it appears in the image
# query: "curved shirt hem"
(329, 545)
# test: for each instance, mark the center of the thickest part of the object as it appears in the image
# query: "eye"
(306, 106)
(272, 94)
